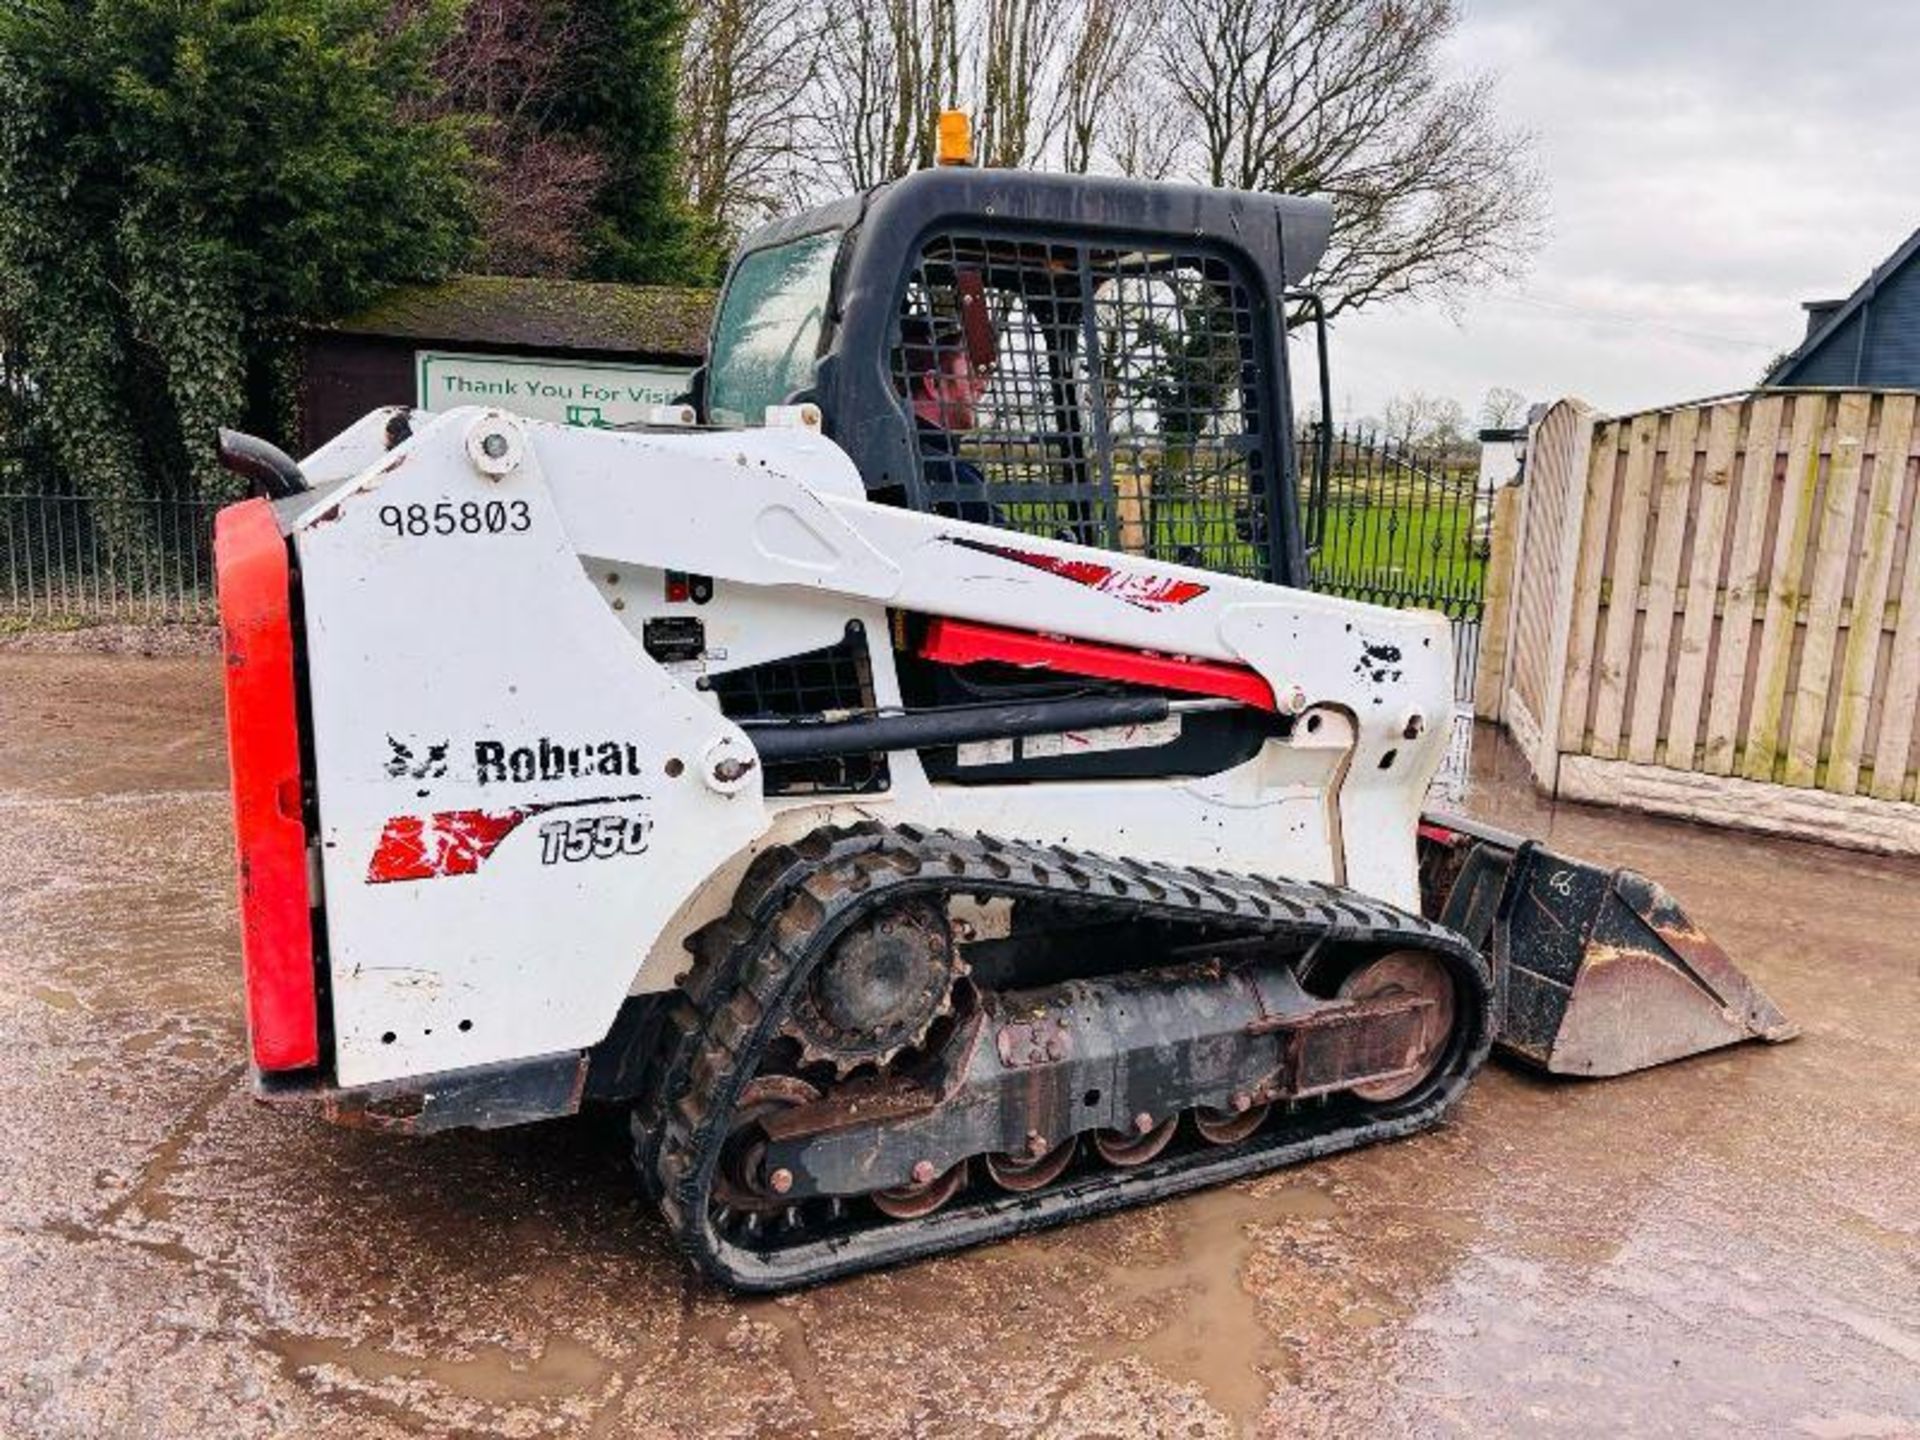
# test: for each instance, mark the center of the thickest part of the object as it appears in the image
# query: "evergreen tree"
(622, 99)
(182, 184)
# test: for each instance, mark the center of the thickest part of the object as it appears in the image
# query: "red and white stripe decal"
(449, 842)
(457, 842)
(1148, 591)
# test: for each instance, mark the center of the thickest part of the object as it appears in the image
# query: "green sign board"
(570, 391)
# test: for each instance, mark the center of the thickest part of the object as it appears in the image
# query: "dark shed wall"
(1890, 356)
(1832, 362)
(348, 375)
(1893, 331)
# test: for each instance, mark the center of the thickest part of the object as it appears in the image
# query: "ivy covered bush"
(183, 183)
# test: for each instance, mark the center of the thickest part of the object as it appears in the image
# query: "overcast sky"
(1711, 165)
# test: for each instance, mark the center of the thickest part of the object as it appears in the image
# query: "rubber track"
(794, 903)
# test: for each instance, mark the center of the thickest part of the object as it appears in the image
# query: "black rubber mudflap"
(1596, 971)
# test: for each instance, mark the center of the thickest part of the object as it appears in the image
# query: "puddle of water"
(148, 1195)
(1213, 1336)
(1301, 1202)
(730, 1328)
(796, 1353)
(77, 1233)
(1366, 1317)
(492, 1374)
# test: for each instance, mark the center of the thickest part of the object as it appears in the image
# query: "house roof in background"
(1882, 272)
(654, 320)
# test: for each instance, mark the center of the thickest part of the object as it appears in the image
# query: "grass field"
(1394, 540)
(1405, 550)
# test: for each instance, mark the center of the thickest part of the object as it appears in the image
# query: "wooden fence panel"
(1824, 609)
(1673, 498)
(1899, 709)
(1866, 619)
(1496, 626)
(1785, 577)
(1557, 464)
(1584, 618)
(1703, 585)
(1621, 579)
(1750, 504)
(1730, 598)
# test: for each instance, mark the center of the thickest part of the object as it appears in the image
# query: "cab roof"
(1021, 198)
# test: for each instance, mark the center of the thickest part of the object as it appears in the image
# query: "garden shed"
(575, 351)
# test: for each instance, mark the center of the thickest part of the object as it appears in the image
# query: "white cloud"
(1711, 166)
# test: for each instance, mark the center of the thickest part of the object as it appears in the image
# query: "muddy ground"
(1727, 1245)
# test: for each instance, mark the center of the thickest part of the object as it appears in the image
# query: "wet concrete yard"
(1730, 1245)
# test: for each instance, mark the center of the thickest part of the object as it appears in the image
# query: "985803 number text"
(467, 517)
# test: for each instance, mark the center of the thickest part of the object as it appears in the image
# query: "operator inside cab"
(944, 390)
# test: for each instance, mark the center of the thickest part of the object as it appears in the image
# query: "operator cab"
(1124, 344)
(1129, 337)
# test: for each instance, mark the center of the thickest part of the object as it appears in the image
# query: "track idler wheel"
(1022, 1172)
(738, 1184)
(880, 989)
(1407, 972)
(1127, 1148)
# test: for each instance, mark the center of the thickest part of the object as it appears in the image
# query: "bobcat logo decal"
(403, 764)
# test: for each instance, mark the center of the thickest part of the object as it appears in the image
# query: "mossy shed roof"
(655, 320)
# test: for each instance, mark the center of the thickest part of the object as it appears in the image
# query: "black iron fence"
(1386, 522)
(1400, 524)
(74, 558)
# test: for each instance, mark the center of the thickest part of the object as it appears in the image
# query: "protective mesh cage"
(1117, 403)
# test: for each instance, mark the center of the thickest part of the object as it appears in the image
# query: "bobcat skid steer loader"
(915, 775)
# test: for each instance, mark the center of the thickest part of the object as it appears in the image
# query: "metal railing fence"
(1402, 525)
(68, 557)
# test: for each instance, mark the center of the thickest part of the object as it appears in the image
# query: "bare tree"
(503, 67)
(1344, 98)
(747, 79)
(1013, 67)
(1418, 418)
(887, 69)
(1035, 74)
(1502, 408)
(1145, 137)
(1097, 55)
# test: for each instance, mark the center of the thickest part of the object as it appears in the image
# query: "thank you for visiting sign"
(572, 392)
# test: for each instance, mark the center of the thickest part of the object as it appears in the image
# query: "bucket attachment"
(1595, 972)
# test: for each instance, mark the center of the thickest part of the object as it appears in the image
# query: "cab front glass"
(767, 336)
